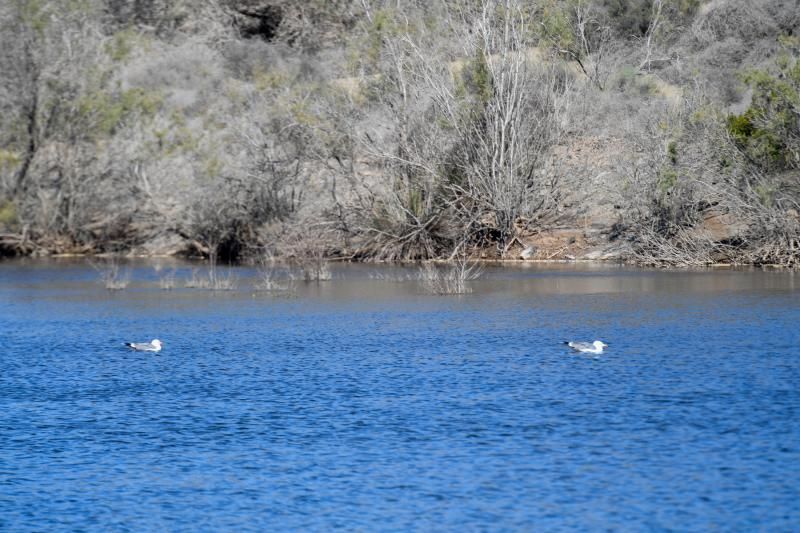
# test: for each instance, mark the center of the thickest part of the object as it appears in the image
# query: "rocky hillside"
(661, 132)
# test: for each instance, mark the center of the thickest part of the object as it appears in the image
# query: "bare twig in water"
(113, 277)
(451, 278)
(314, 267)
(167, 281)
(272, 278)
(393, 277)
(213, 280)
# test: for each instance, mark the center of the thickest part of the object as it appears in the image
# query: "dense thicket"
(375, 129)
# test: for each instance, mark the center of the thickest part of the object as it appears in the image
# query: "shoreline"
(479, 260)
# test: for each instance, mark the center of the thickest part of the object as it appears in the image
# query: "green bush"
(766, 194)
(556, 28)
(667, 179)
(478, 79)
(768, 131)
(105, 111)
(741, 126)
(8, 159)
(8, 216)
(119, 47)
(672, 152)
(629, 17)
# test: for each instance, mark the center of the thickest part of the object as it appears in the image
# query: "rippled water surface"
(363, 403)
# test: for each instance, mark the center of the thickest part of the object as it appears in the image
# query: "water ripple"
(381, 408)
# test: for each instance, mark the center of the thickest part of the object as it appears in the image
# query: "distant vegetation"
(662, 132)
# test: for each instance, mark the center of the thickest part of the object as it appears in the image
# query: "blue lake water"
(364, 403)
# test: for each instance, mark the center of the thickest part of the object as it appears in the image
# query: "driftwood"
(16, 244)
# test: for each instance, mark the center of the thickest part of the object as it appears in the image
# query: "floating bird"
(152, 346)
(587, 347)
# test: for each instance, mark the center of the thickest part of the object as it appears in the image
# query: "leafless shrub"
(463, 157)
(167, 281)
(194, 281)
(393, 276)
(663, 195)
(228, 216)
(165, 17)
(271, 278)
(656, 20)
(113, 277)
(268, 281)
(683, 248)
(314, 267)
(770, 207)
(439, 131)
(212, 280)
(221, 282)
(694, 198)
(390, 203)
(451, 278)
(740, 18)
(306, 251)
(588, 42)
(246, 58)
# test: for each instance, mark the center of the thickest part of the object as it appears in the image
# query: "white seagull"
(587, 347)
(152, 346)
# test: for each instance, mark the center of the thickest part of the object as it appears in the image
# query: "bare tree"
(396, 203)
(650, 35)
(469, 128)
(514, 120)
(61, 102)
